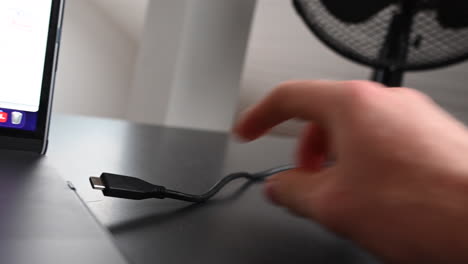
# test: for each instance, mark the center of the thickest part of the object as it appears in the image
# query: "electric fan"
(391, 36)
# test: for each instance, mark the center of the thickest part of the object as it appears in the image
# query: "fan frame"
(298, 6)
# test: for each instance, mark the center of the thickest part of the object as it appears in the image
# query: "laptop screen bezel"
(48, 77)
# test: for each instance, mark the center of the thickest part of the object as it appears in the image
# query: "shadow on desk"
(180, 212)
(324, 247)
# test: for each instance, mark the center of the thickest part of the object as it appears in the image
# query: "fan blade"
(355, 11)
(453, 13)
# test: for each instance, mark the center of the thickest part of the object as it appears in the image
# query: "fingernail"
(270, 192)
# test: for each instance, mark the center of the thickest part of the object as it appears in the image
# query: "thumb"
(298, 190)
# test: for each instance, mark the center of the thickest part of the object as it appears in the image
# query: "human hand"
(399, 186)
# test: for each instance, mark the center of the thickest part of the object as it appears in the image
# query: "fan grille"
(362, 42)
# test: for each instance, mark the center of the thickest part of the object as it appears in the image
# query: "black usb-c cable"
(125, 187)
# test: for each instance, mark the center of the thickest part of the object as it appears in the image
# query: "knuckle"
(288, 90)
(413, 93)
(361, 84)
(289, 84)
(284, 89)
(360, 95)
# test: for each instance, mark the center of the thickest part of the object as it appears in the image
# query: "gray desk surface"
(239, 226)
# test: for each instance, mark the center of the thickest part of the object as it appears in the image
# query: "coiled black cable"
(120, 186)
(259, 176)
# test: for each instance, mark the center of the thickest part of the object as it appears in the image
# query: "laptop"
(42, 220)
(29, 48)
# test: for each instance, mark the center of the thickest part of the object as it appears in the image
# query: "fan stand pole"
(395, 49)
(388, 77)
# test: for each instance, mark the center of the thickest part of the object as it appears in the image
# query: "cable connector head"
(96, 183)
(120, 186)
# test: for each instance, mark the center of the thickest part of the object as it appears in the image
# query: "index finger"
(307, 100)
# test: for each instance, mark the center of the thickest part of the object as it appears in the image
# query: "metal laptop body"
(43, 221)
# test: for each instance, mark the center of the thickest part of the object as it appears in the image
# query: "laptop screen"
(23, 43)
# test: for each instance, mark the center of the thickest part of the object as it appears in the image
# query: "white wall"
(190, 63)
(181, 67)
(95, 65)
(282, 48)
(128, 15)
(156, 62)
(100, 47)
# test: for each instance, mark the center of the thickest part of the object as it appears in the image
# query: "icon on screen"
(3, 117)
(21, 19)
(16, 118)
